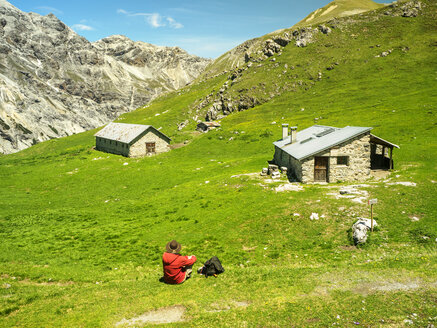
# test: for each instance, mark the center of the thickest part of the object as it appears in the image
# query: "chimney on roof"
(284, 131)
(293, 134)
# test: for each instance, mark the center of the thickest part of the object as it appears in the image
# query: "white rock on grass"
(360, 229)
(403, 183)
(276, 175)
(314, 216)
(289, 187)
(361, 200)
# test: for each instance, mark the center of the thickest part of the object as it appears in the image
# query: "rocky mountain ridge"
(54, 83)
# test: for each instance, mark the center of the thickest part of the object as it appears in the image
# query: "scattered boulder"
(272, 168)
(324, 29)
(276, 175)
(360, 229)
(314, 216)
(283, 40)
(384, 53)
(182, 125)
(264, 171)
(271, 47)
(303, 37)
(407, 9)
(410, 12)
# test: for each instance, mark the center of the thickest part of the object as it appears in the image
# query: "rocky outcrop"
(54, 82)
(406, 9)
(226, 106)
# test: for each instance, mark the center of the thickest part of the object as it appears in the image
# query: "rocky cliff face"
(54, 82)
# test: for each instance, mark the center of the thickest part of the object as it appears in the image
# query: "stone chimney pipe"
(293, 133)
(284, 131)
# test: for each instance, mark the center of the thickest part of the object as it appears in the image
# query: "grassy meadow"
(82, 232)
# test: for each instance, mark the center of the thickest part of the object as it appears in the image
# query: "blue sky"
(203, 28)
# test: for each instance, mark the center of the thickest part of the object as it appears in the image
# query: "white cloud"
(173, 23)
(50, 10)
(155, 20)
(82, 27)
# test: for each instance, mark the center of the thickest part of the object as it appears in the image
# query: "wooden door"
(321, 169)
(150, 147)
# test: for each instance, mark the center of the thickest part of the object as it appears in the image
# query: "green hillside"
(339, 8)
(82, 232)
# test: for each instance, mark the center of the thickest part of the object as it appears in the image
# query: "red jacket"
(173, 265)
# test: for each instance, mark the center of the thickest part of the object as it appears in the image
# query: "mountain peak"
(7, 5)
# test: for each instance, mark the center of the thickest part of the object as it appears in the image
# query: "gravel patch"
(163, 315)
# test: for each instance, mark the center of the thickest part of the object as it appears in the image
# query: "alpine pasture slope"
(82, 232)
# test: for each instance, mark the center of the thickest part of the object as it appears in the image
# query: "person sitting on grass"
(177, 268)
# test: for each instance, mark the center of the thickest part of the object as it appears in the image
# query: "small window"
(150, 147)
(342, 160)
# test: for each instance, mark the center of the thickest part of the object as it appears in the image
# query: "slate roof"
(126, 133)
(318, 138)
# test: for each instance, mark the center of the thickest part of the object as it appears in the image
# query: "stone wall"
(357, 152)
(112, 146)
(138, 148)
(278, 157)
(358, 167)
(281, 158)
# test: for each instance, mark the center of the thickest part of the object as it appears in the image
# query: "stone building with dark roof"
(131, 140)
(329, 154)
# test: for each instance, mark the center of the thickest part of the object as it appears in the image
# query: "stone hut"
(131, 140)
(329, 154)
(206, 126)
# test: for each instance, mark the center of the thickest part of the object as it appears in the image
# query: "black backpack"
(212, 267)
